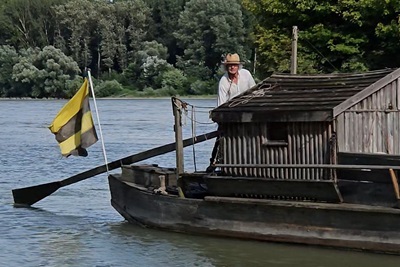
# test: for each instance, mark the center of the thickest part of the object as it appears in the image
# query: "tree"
(334, 36)
(380, 22)
(208, 29)
(164, 14)
(150, 61)
(44, 73)
(8, 58)
(101, 34)
(28, 23)
(76, 21)
(174, 79)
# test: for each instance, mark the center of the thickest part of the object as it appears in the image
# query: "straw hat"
(232, 59)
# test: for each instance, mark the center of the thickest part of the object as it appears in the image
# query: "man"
(235, 81)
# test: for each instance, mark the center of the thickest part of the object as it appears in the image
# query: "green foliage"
(347, 35)
(102, 35)
(209, 29)
(44, 73)
(163, 47)
(152, 70)
(108, 88)
(200, 87)
(72, 86)
(8, 57)
(164, 14)
(28, 23)
(150, 60)
(174, 79)
(166, 91)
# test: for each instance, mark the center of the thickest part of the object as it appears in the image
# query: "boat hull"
(342, 225)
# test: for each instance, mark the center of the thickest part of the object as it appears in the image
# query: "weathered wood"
(293, 59)
(318, 104)
(367, 193)
(366, 92)
(314, 114)
(300, 100)
(322, 190)
(379, 174)
(300, 97)
(395, 186)
(312, 166)
(342, 225)
(177, 105)
(293, 90)
(332, 77)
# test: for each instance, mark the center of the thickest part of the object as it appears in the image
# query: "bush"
(174, 80)
(208, 87)
(73, 86)
(108, 88)
(167, 91)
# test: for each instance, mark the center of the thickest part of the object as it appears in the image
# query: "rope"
(260, 92)
(192, 118)
(199, 122)
(193, 137)
(320, 53)
(204, 107)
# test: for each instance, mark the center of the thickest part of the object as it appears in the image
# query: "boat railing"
(372, 181)
(312, 166)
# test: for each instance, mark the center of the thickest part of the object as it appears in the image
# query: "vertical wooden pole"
(255, 61)
(293, 59)
(176, 108)
(395, 186)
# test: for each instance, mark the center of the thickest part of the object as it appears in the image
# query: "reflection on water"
(233, 252)
(76, 226)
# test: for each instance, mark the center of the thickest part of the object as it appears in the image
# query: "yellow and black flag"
(73, 126)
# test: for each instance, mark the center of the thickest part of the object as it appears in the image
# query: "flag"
(73, 126)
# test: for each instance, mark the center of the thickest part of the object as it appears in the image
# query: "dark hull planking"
(352, 226)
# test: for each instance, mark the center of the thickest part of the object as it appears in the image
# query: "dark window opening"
(277, 133)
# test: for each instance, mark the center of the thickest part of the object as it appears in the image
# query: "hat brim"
(233, 63)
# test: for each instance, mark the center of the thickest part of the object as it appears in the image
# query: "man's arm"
(251, 80)
(223, 94)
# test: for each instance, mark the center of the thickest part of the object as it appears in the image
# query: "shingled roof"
(283, 97)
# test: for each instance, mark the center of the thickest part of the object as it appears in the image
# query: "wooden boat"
(303, 159)
(314, 186)
(354, 226)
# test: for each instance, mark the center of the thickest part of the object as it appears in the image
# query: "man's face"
(233, 68)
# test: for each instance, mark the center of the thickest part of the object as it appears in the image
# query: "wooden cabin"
(310, 120)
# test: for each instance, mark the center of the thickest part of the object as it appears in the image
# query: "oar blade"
(30, 195)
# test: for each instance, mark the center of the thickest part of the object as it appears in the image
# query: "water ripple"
(76, 226)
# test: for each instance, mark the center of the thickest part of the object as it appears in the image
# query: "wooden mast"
(177, 106)
(293, 61)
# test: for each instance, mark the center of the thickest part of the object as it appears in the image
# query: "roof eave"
(272, 116)
(348, 103)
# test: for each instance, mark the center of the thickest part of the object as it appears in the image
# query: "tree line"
(175, 47)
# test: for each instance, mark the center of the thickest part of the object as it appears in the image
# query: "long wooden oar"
(30, 195)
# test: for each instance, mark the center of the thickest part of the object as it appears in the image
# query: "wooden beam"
(310, 166)
(177, 107)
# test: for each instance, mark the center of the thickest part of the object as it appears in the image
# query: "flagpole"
(98, 119)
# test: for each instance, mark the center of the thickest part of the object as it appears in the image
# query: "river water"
(76, 226)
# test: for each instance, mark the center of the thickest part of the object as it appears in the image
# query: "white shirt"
(228, 89)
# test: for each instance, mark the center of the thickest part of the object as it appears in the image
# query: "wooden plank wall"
(308, 143)
(373, 125)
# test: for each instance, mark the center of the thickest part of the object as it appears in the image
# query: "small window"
(277, 134)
